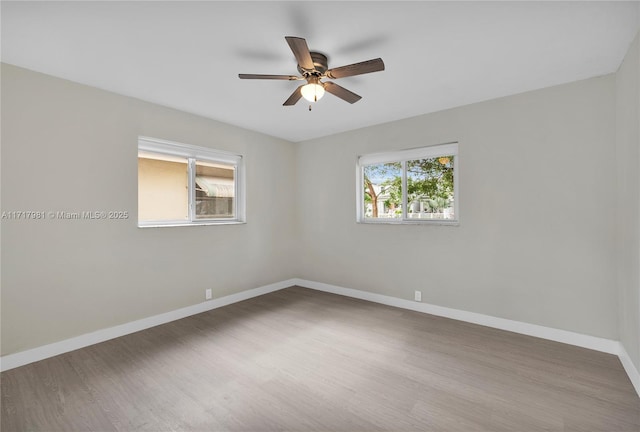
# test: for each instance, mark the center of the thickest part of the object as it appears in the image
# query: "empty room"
(320, 216)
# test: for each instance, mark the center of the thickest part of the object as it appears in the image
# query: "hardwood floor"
(303, 360)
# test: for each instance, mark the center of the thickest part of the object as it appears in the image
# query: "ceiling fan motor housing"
(319, 63)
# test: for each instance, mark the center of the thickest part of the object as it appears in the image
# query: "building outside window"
(179, 184)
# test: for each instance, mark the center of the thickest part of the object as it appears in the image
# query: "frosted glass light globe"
(312, 92)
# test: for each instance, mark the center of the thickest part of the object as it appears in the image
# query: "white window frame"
(403, 156)
(192, 154)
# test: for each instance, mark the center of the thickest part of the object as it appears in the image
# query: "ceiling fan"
(313, 67)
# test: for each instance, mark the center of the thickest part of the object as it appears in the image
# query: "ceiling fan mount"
(313, 66)
(320, 65)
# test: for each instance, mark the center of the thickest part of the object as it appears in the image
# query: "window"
(409, 186)
(180, 184)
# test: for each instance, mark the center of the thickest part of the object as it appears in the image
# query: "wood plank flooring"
(302, 360)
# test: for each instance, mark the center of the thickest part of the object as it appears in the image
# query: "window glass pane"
(215, 190)
(383, 191)
(162, 188)
(430, 188)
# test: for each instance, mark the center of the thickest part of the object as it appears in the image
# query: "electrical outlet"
(207, 294)
(417, 296)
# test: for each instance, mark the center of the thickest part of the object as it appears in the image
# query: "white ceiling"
(438, 55)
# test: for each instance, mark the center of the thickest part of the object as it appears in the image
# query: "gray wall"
(71, 147)
(536, 240)
(628, 214)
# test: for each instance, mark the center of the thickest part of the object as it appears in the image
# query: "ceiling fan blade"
(294, 98)
(269, 77)
(301, 51)
(341, 92)
(364, 67)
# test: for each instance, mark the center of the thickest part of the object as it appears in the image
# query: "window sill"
(188, 224)
(409, 222)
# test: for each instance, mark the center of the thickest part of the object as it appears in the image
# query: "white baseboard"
(578, 339)
(40, 353)
(630, 368)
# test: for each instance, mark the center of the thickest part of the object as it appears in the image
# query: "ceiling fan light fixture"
(312, 92)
